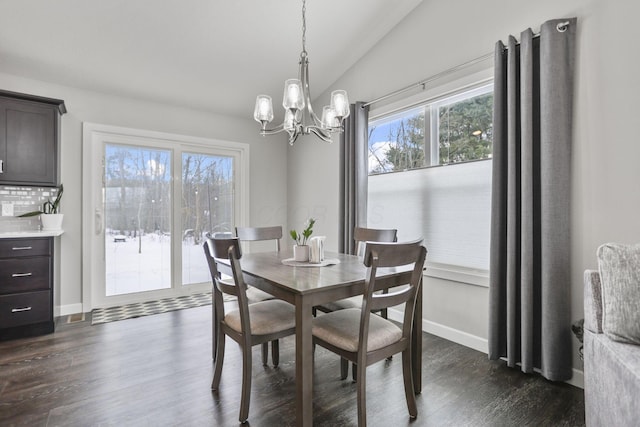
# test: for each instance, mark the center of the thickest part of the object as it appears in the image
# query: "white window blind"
(448, 206)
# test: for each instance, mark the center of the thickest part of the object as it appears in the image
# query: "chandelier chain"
(304, 27)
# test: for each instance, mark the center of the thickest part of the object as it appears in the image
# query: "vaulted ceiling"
(206, 54)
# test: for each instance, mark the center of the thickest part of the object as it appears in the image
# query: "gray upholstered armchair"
(612, 338)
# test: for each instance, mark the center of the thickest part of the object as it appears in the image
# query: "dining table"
(305, 286)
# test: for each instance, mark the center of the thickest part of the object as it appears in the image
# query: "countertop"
(28, 234)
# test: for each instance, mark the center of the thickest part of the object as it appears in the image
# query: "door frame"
(93, 138)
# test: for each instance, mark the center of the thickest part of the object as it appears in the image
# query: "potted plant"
(50, 217)
(301, 249)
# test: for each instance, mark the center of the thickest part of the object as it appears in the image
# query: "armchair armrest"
(592, 301)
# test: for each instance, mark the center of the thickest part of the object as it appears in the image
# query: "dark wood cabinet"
(26, 287)
(29, 139)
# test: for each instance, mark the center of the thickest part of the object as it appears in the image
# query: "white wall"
(313, 187)
(441, 34)
(268, 172)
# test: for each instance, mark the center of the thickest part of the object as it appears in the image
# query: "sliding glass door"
(137, 215)
(150, 203)
(207, 208)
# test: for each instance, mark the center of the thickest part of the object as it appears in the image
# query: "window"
(429, 176)
(451, 130)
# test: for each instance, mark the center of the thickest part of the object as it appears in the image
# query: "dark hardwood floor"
(156, 371)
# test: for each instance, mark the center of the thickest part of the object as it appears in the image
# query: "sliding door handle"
(98, 221)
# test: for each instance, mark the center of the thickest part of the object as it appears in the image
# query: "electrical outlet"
(7, 209)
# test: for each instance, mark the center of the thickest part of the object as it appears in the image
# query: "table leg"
(416, 344)
(304, 363)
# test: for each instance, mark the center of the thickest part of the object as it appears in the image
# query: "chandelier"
(299, 118)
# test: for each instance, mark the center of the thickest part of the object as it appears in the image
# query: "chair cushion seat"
(257, 295)
(342, 304)
(266, 317)
(253, 294)
(342, 328)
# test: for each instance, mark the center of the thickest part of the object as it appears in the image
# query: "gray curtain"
(529, 294)
(353, 175)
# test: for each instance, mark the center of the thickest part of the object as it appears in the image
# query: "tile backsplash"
(19, 200)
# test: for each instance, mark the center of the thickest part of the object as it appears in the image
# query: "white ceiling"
(207, 54)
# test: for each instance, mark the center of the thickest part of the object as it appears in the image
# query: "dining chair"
(249, 325)
(254, 234)
(365, 338)
(361, 236)
(257, 234)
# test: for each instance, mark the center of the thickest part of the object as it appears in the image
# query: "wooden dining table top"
(345, 277)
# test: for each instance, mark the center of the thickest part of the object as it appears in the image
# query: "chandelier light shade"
(264, 109)
(299, 118)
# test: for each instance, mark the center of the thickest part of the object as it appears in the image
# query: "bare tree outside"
(207, 195)
(138, 191)
(138, 188)
(464, 133)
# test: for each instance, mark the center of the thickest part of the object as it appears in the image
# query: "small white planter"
(301, 253)
(51, 222)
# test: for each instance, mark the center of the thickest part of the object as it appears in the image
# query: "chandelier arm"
(304, 77)
(319, 132)
(293, 136)
(273, 131)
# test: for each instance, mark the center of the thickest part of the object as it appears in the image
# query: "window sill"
(470, 276)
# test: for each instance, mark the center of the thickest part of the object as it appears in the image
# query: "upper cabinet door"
(28, 142)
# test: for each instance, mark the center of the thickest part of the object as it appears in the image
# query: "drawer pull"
(22, 248)
(18, 310)
(21, 274)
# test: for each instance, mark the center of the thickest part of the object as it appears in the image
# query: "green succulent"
(301, 239)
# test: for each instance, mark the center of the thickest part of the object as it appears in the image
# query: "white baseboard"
(65, 310)
(471, 341)
(578, 379)
(446, 332)
(455, 335)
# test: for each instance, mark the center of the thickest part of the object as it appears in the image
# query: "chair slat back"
(362, 235)
(391, 299)
(228, 249)
(254, 234)
(392, 254)
(381, 255)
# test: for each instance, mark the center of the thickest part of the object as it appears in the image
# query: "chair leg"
(246, 384)
(217, 373)
(265, 353)
(354, 372)
(214, 331)
(408, 383)
(344, 368)
(275, 352)
(361, 395)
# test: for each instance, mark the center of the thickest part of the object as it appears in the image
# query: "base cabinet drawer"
(21, 275)
(11, 248)
(25, 308)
